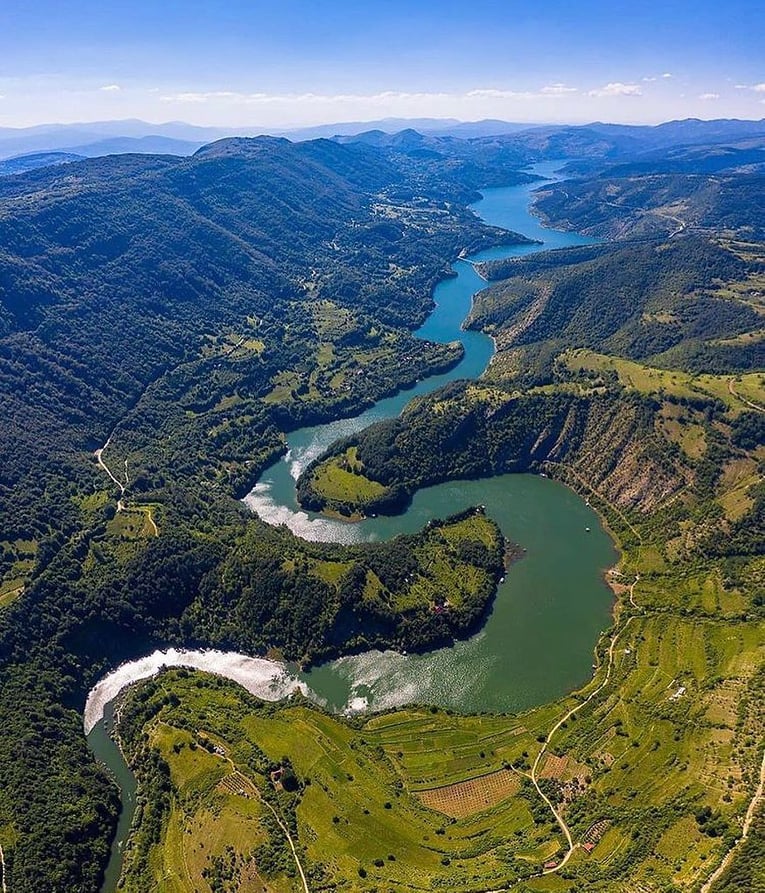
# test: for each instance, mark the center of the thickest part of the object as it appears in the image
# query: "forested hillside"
(180, 290)
(654, 203)
(691, 303)
(183, 314)
(164, 321)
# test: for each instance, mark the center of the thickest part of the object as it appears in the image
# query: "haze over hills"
(54, 135)
(181, 316)
(100, 137)
(178, 138)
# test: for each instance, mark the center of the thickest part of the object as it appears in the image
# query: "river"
(538, 640)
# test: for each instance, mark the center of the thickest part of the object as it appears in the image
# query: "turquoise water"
(536, 644)
(538, 640)
(273, 497)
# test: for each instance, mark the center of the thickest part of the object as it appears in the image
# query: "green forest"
(173, 318)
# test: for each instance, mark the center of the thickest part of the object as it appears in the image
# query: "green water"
(107, 752)
(538, 641)
(536, 644)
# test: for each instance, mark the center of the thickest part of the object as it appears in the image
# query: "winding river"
(537, 642)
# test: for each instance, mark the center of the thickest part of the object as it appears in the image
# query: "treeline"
(267, 594)
(473, 435)
(57, 807)
(657, 303)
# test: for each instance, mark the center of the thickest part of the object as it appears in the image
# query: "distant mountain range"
(29, 148)
(179, 138)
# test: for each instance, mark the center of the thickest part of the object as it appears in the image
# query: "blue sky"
(292, 62)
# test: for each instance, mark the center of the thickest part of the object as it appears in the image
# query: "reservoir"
(537, 642)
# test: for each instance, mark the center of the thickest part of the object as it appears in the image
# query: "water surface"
(538, 639)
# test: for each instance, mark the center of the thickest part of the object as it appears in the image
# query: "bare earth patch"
(464, 798)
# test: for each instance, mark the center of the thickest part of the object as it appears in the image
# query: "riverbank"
(535, 611)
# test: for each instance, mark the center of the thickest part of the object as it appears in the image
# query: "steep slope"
(120, 273)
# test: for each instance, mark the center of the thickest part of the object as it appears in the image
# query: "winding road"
(121, 506)
(253, 788)
(748, 819)
(121, 486)
(734, 393)
(575, 709)
(2, 866)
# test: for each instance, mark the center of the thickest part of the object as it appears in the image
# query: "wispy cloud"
(709, 97)
(110, 88)
(557, 90)
(233, 97)
(236, 98)
(495, 93)
(667, 74)
(756, 88)
(617, 89)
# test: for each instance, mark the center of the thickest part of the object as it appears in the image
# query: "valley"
(628, 370)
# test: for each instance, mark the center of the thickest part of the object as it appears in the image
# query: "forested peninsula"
(167, 320)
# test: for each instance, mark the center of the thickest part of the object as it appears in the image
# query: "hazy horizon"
(395, 123)
(283, 66)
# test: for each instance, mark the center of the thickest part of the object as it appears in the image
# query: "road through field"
(535, 768)
(734, 393)
(748, 819)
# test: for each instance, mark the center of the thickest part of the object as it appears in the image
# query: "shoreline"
(271, 680)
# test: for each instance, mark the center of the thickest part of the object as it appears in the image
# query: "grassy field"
(649, 768)
(650, 380)
(419, 799)
(10, 590)
(341, 480)
(132, 523)
(350, 353)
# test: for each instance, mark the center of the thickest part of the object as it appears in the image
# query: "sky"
(284, 63)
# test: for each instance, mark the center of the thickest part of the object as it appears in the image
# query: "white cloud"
(617, 89)
(110, 88)
(493, 93)
(557, 90)
(232, 97)
(708, 97)
(759, 88)
(756, 88)
(648, 80)
(667, 74)
(386, 97)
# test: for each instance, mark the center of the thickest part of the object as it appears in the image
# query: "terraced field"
(418, 799)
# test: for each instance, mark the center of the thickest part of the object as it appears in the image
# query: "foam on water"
(382, 680)
(267, 679)
(378, 680)
(318, 529)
